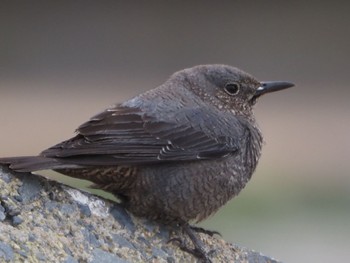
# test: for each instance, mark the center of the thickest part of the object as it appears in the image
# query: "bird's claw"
(176, 239)
(196, 252)
(205, 231)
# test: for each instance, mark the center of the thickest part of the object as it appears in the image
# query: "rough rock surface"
(44, 221)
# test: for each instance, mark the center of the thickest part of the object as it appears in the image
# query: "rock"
(16, 220)
(70, 259)
(120, 214)
(6, 252)
(30, 188)
(2, 213)
(44, 221)
(102, 256)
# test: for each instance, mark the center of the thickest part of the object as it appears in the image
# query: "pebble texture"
(44, 221)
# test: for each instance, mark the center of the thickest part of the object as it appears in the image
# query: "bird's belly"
(187, 191)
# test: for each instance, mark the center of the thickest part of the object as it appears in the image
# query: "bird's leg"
(205, 231)
(198, 251)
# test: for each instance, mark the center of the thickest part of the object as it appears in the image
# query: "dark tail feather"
(33, 163)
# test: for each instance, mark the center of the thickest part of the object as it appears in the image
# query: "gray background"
(61, 62)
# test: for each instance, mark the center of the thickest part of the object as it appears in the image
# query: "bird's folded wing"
(124, 135)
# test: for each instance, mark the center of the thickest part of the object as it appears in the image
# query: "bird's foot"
(197, 252)
(199, 249)
(205, 231)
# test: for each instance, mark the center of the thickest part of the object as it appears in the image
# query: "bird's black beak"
(272, 86)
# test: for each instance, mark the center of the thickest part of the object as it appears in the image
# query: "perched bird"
(174, 154)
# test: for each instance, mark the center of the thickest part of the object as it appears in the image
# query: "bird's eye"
(232, 88)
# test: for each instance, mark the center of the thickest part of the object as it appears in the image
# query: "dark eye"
(232, 88)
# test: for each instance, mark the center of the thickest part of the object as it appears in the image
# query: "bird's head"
(228, 88)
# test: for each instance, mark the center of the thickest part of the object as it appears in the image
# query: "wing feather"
(125, 135)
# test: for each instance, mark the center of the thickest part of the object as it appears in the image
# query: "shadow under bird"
(174, 154)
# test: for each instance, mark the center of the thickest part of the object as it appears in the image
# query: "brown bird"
(174, 154)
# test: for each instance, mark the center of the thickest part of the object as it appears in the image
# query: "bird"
(174, 154)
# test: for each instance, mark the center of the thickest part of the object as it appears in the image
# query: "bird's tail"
(32, 163)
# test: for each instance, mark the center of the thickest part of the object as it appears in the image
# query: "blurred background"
(62, 62)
